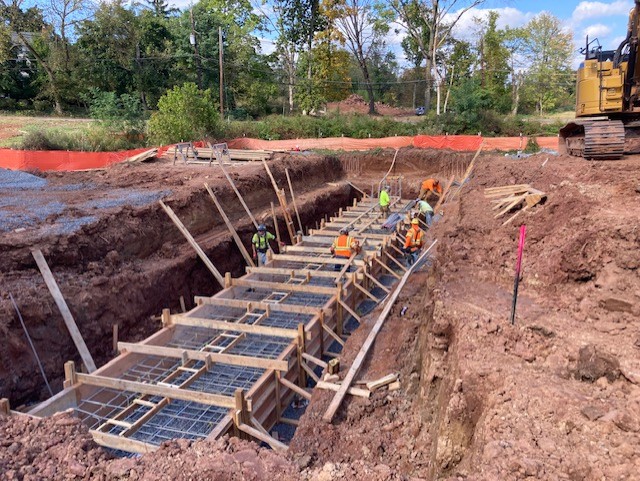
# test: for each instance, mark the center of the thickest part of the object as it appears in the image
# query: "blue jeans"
(262, 258)
(412, 257)
(428, 218)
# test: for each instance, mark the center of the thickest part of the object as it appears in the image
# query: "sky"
(606, 19)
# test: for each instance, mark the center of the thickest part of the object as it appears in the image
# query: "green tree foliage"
(184, 113)
(119, 113)
(549, 50)
(493, 59)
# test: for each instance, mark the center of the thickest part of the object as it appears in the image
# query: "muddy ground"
(555, 396)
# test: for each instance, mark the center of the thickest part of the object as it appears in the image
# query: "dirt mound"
(355, 104)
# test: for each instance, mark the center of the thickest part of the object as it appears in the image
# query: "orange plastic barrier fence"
(61, 159)
(64, 160)
(331, 143)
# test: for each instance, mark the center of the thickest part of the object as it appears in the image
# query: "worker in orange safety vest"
(344, 246)
(428, 187)
(413, 241)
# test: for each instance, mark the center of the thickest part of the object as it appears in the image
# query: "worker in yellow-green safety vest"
(260, 244)
(384, 201)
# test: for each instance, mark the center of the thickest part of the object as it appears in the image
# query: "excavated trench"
(127, 267)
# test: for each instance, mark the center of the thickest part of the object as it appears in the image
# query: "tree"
(184, 113)
(363, 33)
(493, 57)
(161, 8)
(515, 41)
(429, 24)
(28, 26)
(548, 51)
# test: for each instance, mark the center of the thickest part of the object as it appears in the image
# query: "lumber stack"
(142, 156)
(206, 154)
(520, 197)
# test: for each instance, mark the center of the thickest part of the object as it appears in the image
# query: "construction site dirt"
(554, 396)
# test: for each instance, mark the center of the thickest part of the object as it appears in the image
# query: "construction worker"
(344, 246)
(430, 187)
(424, 211)
(260, 244)
(413, 241)
(384, 201)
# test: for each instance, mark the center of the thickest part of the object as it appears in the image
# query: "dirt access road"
(556, 396)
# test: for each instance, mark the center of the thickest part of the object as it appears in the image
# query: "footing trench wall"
(233, 363)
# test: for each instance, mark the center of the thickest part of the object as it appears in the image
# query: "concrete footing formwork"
(234, 363)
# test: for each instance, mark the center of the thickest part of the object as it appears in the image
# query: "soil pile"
(356, 104)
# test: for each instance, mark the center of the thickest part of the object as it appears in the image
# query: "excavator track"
(593, 139)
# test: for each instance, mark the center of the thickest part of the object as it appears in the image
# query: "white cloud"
(267, 45)
(586, 10)
(181, 4)
(466, 28)
(597, 30)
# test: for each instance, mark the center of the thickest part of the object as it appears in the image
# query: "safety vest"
(262, 241)
(430, 184)
(342, 245)
(414, 239)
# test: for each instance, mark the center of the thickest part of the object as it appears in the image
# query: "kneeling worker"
(413, 241)
(260, 244)
(344, 246)
(424, 210)
(428, 187)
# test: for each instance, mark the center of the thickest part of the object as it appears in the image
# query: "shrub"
(42, 105)
(184, 113)
(38, 140)
(532, 146)
(118, 113)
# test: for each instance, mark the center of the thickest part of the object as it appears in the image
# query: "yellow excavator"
(607, 100)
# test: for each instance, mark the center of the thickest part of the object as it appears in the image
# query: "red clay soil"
(556, 396)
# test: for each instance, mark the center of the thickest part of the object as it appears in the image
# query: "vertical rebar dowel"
(33, 348)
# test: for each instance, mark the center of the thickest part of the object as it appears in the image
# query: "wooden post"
(5, 407)
(183, 306)
(115, 338)
(283, 203)
(293, 198)
(166, 317)
(233, 231)
(241, 409)
(70, 376)
(64, 310)
(302, 375)
(227, 280)
(275, 224)
(339, 312)
(194, 244)
(278, 398)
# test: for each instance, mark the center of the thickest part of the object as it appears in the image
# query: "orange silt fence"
(68, 160)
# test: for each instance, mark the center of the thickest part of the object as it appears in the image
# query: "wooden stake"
(275, 224)
(283, 203)
(64, 310)
(194, 244)
(115, 338)
(293, 198)
(232, 229)
(5, 408)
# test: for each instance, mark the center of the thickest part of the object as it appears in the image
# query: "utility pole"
(220, 47)
(194, 42)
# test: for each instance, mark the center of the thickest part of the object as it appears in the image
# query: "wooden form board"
(64, 310)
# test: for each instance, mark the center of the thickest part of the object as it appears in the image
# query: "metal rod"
(33, 348)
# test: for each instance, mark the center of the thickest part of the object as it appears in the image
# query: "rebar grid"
(151, 369)
(295, 298)
(103, 404)
(193, 338)
(267, 347)
(212, 311)
(180, 419)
